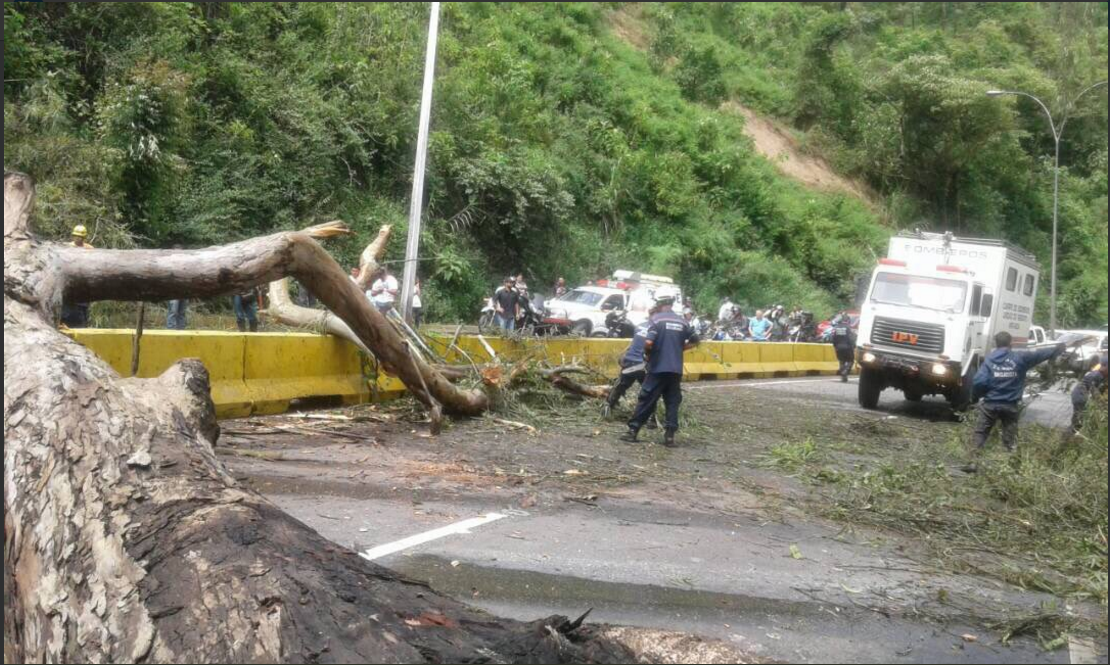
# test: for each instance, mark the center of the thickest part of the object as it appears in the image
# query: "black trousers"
(624, 382)
(847, 357)
(991, 414)
(667, 386)
(75, 315)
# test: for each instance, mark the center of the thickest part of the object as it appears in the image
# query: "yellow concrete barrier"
(776, 359)
(742, 358)
(280, 367)
(262, 372)
(815, 358)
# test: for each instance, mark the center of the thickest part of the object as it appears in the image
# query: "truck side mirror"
(987, 305)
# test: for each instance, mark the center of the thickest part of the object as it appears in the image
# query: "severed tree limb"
(368, 261)
(103, 274)
(127, 540)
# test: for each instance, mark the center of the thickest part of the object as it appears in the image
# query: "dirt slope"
(774, 143)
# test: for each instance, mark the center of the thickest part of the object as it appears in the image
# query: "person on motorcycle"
(633, 367)
(668, 337)
(560, 287)
(844, 342)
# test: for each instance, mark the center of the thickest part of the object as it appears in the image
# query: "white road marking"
(1082, 650)
(748, 384)
(419, 539)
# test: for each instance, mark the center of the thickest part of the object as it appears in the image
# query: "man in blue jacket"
(1000, 384)
(668, 336)
(633, 367)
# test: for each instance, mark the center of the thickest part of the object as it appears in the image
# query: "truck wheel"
(870, 385)
(960, 399)
(912, 394)
(581, 328)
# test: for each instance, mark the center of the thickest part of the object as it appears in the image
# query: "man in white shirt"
(727, 311)
(383, 293)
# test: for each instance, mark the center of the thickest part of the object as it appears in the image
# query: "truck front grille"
(924, 337)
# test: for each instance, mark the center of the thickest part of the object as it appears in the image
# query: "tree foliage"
(558, 148)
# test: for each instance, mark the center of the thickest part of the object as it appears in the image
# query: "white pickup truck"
(583, 310)
(932, 310)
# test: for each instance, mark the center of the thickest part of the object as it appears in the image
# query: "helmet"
(665, 295)
(80, 231)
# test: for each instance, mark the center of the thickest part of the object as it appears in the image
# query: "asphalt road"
(790, 588)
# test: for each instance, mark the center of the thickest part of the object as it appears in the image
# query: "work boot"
(668, 438)
(254, 326)
(606, 410)
(630, 435)
(242, 326)
(844, 378)
(652, 423)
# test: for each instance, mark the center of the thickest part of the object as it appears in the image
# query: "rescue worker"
(633, 368)
(1093, 383)
(844, 342)
(668, 336)
(1000, 384)
(76, 314)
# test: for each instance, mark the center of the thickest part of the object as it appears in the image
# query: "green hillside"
(569, 139)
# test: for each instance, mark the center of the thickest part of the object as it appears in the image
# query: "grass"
(1036, 519)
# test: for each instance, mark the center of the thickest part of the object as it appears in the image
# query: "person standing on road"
(506, 304)
(668, 336)
(1093, 383)
(759, 328)
(383, 293)
(726, 312)
(175, 310)
(245, 305)
(633, 367)
(76, 314)
(1000, 384)
(844, 342)
(417, 305)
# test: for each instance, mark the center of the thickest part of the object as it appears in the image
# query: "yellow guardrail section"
(260, 373)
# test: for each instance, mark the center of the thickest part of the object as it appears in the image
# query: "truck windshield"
(944, 295)
(583, 297)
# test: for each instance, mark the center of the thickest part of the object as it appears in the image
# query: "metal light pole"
(412, 247)
(1057, 132)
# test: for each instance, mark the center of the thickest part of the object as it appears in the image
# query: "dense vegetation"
(561, 146)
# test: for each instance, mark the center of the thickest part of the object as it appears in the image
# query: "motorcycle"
(487, 320)
(730, 331)
(617, 325)
(802, 329)
(530, 320)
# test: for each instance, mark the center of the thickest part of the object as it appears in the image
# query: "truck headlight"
(868, 357)
(940, 370)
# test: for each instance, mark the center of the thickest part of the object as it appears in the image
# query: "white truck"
(933, 308)
(583, 311)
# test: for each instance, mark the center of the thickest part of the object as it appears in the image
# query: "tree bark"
(126, 540)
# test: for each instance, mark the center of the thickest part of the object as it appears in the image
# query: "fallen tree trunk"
(126, 540)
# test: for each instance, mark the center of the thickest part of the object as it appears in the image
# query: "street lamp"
(1056, 134)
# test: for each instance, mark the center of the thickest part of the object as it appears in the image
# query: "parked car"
(584, 310)
(1084, 348)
